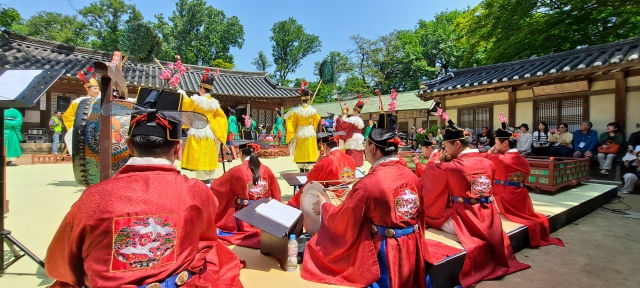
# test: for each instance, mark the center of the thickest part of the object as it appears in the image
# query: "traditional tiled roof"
(21, 52)
(405, 101)
(531, 70)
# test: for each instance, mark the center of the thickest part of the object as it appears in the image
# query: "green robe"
(12, 135)
(278, 127)
(253, 125)
(232, 122)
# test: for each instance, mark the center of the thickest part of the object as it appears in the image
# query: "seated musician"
(336, 166)
(428, 151)
(148, 225)
(458, 194)
(511, 195)
(238, 188)
(376, 236)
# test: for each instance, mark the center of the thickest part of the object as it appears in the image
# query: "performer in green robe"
(278, 128)
(12, 135)
(234, 133)
(254, 125)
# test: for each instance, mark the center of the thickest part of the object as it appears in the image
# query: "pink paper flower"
(170, 65)
(445, 116)
(439, 111)
(394, 94)
(247, 121)
(166, 75)
(502, 118)
(392, 106)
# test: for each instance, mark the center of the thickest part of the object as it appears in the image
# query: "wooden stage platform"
(562, 208)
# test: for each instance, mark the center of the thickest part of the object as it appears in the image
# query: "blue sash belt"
(510, 183)
(167, 283)
(471, 201)
(393, 233)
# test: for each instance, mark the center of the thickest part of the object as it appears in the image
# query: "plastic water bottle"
(292, 260)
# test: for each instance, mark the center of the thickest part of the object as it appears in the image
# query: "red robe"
(489, 253)
(237, 184)
(344, 250)
(335, 166)
(515, 203)
(432, 160)
(144, 225)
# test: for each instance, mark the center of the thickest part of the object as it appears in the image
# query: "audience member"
(485, 140)
(609, 145)
(524, 140)
(633, 146)
(540, 140)
(562, 141)
(584, 140)
(631, 178)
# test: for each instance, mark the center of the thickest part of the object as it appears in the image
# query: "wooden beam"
(621, 100)
(512, 109)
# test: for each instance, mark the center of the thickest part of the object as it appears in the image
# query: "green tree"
(518, 29)
(438, 39)
(290, 45)
(9, 17)
(219, 63)
(361, 56)
(141, 42)
(354, 85)
(199, 33)
(341, 63)
(261, 62)
(67, 29)
(413, 68)
(108, 20)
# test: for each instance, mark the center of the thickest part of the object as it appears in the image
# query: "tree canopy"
(290, 45)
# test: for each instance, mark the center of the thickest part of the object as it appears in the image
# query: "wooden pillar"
(512, 109)
(621, 100)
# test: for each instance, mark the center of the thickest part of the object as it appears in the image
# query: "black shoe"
(11, 164)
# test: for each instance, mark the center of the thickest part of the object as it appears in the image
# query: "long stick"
(337, 97)
(318, 88)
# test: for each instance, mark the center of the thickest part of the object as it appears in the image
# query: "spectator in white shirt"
(524, 141)
(540, 140)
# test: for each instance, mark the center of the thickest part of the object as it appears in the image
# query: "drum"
(310, 220)
(86, 142)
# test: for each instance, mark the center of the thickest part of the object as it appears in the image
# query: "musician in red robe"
(352, 127)
(238, 188)
(510, 193)
(429, 151)
(336, 166)
(458, 196)
(148, 224)
(376, 236)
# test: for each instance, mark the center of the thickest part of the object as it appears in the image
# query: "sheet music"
(13, 82)
(281, 213)
(302, 179)
(359, 174)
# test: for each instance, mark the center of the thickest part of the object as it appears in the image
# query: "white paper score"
(281, 213)
(13, 82)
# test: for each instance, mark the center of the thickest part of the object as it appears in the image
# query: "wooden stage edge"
(570, 205)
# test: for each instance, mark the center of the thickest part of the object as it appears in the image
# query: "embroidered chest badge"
(407, 203)
(143, 242)
(259, 190)
(347, 174)
(481, 186)
(517, 177)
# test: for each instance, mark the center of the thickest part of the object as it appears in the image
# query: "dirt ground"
(602, 250)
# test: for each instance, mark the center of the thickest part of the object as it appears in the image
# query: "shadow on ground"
(64, 183)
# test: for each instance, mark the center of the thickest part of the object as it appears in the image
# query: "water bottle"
(292, 260)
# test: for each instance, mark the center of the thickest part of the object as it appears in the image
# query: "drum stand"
(5, 235)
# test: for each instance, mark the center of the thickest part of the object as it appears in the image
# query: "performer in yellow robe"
(201, 150)
(69, 116)
(301, 132)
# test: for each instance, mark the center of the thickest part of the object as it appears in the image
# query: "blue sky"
(334, 21)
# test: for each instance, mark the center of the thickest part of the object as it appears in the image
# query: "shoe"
(625, 192)
(604, 171)
(12, 164)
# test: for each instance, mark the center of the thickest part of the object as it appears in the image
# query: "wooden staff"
(314, 93)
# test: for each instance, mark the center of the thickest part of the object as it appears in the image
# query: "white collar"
(513, 151)
(246, 159)
(335, 149)
(468, 151)
(386, 159)
(148, 161)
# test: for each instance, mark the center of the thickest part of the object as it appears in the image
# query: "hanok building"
(597, 83)
(244, 91)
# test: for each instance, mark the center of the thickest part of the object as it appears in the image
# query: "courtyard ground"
(602, 250)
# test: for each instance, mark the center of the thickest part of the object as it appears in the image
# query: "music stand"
(18, 88)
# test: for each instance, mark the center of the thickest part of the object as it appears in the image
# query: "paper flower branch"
(247, 121)
(394, 96)
(174, 71)
(502, 118)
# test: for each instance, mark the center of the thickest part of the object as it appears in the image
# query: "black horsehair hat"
(504, 132)
(326, 137)
(384, 138)
(246, 144)
(426, 142)
(453, 132)
(166, 124)
(386, 121)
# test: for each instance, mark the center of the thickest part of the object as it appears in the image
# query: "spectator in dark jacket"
(633, 146)
(584, 140)
(611, 137)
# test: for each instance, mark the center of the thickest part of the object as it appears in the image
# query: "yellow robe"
(201, 149)
(303, 124)
(70, 115)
